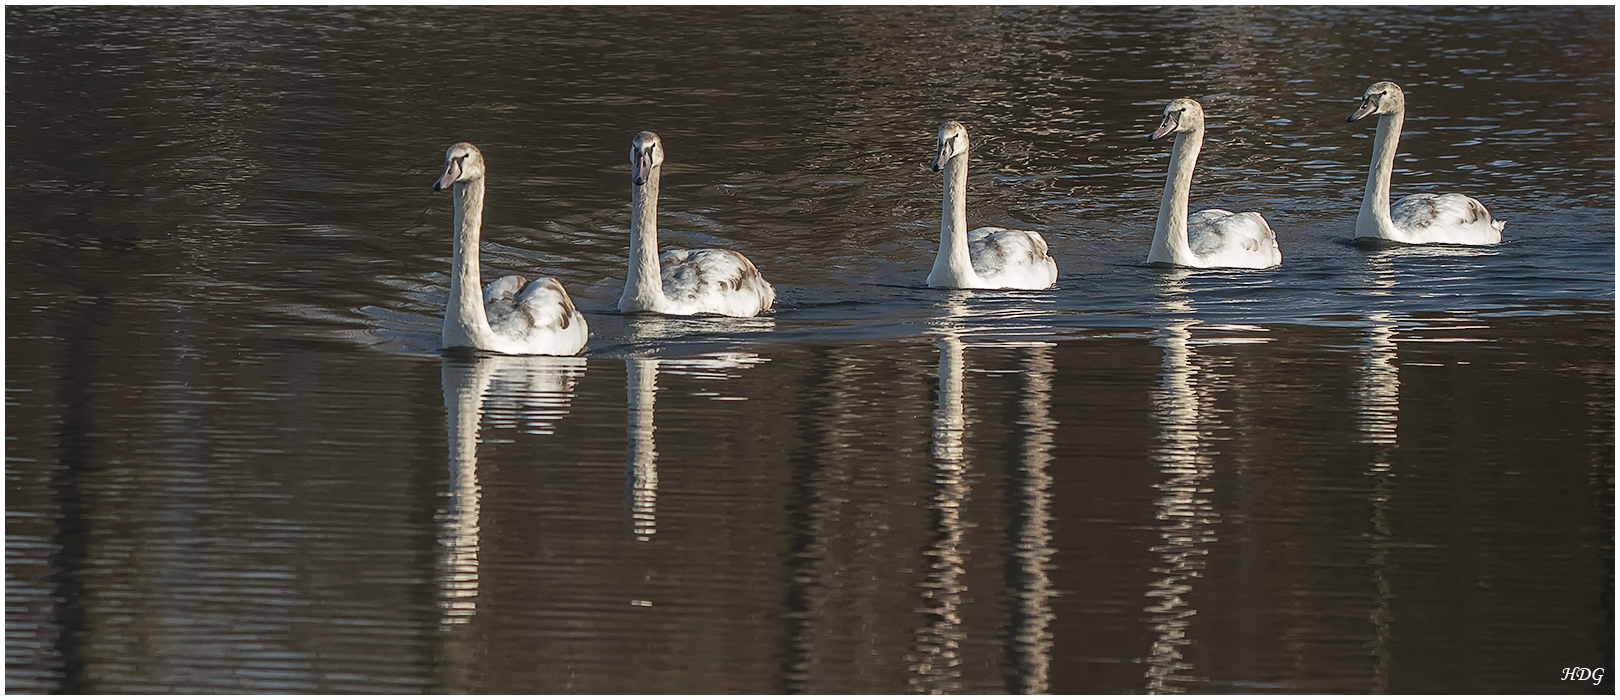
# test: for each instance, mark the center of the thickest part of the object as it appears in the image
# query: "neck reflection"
(938, 652)
(641, 426)
(938, 649)
(1378, 383)
(1377, 390)
(1186, 516)
(641, 453)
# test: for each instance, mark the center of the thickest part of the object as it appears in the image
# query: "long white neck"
(644, 284)
(464, 321)
(952, 266)
(1170, 233)
(1373, 219)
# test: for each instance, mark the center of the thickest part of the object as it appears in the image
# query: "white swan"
(508, 317)
(681, 282)
(988, 257)
(1419, 218)
(1212, 237)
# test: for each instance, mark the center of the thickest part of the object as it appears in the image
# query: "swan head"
(953, 141)
(1382, 98)
(646, 153)
(1179, 116)
(462, 162)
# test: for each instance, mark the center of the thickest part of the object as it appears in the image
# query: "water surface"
(238, 461)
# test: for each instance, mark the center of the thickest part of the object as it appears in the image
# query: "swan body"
(1212, 237)
(681, 282)
(987, 257)
(1419, 218)
(512, 315)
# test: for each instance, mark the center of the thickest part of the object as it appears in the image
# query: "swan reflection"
(1378, 381)
(1183, 508)
(641, 448)
(641, 453)
(648, 335)
(1378, 387)
(939, 642)
(1377, 397)
(528, 392)
(938, 652)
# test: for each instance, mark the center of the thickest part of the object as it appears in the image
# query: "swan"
(508, 317)
(987, 257)
(681, 282)
(1418, 218)
(1212, 237)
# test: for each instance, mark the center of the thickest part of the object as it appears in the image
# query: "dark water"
(237, 460)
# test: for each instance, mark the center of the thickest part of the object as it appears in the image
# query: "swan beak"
(1171, 120)
(1365, 109)
(640, 169)
(939, 160)
(452, 172)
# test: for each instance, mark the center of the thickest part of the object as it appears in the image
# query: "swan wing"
(504, 290)
(1011, 259)
(1445, 218)
(714, 281)
(534, 319)
(1223, 239)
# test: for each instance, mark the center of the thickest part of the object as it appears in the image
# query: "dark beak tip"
(934, 167)
(437, 186)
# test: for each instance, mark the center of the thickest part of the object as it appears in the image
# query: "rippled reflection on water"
(237, 460)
